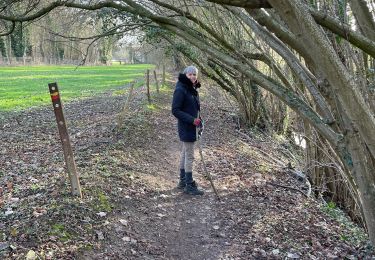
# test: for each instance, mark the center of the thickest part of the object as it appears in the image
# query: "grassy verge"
(23, 87)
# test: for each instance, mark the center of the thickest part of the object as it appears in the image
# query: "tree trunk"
(9, 49)
(300, 22)
(364, 18)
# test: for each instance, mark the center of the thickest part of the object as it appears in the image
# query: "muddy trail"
(131, 208)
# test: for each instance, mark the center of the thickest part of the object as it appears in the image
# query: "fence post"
(156, 82)
(64, 136)
(127, 102)
(148, 86)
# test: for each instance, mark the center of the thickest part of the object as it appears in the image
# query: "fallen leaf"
(99, 235)
(293, 256)
(10, 186)
(14, 199)
(8, 212)
(126, 239)
(13, 231)
(39, 212)
(123, 222)
(31, 255)
(101, 214)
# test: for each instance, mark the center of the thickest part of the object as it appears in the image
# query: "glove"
(197, 84)
(197, 122)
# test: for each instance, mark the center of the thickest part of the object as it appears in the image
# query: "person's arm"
(177, 103)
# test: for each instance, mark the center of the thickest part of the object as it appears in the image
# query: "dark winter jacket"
(185, 107)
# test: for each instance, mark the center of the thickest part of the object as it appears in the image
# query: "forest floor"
(131, 208)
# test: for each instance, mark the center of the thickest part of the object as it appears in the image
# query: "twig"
(287, 187)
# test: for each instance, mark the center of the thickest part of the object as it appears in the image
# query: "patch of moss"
(102, 203)
(152, 107)
(60, 231)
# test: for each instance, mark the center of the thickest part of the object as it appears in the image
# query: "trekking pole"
(208, 175)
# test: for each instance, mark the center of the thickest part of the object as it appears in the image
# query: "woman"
(186, 107)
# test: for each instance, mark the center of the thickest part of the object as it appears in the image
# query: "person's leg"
(191, 186)
(182, 156)
(182, 182)
(189, 159)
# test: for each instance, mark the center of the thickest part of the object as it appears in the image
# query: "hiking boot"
(192, 189)
(182, 183)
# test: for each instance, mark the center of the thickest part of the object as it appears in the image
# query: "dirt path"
(252, 221)
(164, 222)
(131, 209)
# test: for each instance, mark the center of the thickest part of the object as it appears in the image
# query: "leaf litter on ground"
(131, 209)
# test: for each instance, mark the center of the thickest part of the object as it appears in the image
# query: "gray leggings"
(187, 156)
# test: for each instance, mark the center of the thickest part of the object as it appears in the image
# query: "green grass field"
(23, 87)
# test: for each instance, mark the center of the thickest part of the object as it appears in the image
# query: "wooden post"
(148, 86)
(129, 96)
(64, 136)
(163, 84)
(127, 102)
(156, 82)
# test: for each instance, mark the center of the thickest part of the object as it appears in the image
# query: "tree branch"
(252, 4)
(10, 30)
(344, 30)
